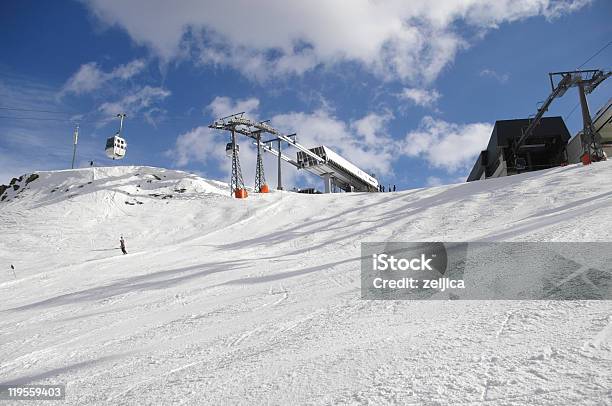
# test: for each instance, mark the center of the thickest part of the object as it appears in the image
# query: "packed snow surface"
(226, 301)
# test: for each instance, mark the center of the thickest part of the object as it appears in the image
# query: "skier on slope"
(122, 242)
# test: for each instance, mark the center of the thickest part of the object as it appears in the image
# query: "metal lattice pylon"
(592, 150)
(260, 178)
(237, 183)
(586, 81)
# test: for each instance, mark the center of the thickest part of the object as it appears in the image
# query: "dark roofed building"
(544, 149)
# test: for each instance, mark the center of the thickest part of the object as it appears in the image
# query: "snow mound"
(128, 180)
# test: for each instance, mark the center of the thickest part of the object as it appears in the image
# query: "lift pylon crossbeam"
(237, 120)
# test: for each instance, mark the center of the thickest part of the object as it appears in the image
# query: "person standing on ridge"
(122, 242)
(394, 188)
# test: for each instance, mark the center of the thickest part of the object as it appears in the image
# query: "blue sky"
(403, 89)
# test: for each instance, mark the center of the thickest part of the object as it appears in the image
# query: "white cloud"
(198, 144)
(420, 97)
(372, 127)
(223, 106)
(450, 146)
(136, 98)
(128, 70)
(500, 77)
(143, 99)
(412, 41)
(90, 77)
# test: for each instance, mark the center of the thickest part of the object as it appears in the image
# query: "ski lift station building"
(544, 149)
(336, 171)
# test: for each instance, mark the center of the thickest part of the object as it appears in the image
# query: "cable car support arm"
(568, 79)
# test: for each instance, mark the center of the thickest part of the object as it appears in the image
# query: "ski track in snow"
(224, 301)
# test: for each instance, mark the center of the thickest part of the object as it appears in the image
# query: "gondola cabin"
(116, 147)
(228, 149)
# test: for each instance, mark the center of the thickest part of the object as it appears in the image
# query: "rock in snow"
(225, 301)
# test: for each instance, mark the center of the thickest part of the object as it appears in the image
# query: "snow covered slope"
(225, 301)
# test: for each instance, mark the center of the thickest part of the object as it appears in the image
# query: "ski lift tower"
(237, 183)
(586, 81)
(260, 178)
(238, 124)
(591, 140)
(320, 161)
(237, 188)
